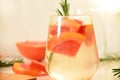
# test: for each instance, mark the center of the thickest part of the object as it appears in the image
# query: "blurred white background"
(22, 20)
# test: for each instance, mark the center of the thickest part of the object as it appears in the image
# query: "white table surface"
(104, 71)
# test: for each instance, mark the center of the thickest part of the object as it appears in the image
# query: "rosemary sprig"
(8, 63)
(50, 59)
(110, 58)
(65, 8)
(116, 72)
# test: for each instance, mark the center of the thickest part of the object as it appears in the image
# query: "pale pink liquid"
(80, 67)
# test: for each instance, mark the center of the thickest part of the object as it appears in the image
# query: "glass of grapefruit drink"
(71, 52)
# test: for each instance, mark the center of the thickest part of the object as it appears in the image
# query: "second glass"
(71, 52)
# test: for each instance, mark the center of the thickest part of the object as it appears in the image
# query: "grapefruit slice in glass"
(66, 25)
(88, 31)
(68, 43)
(89, 35)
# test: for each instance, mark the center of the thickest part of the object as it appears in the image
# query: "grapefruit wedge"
(73, 24)
(88, 31)
(67, 24)
(53, 29)
(67, 44)
(24, 69)
(34, 50)
(89, 34)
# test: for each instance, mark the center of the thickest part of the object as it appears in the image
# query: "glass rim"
(70, 15)
(77, 12)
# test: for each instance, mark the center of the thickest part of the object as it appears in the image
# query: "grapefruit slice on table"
(38, 65)
(22, 68)
(68, 43)
(31, 49)
(35, 68)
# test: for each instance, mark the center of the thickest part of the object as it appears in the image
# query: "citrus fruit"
(0, 56)
(89, 34)
(51, 43)
(68, 47)
(72, 24)
(67, 24)
(34, 50)
(88, 31)
(53, 29)
(82, 30)
(68, 43)
(22, 68)
(38, 65)
(78, 21)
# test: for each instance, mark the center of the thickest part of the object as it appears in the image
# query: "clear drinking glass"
(71, 52)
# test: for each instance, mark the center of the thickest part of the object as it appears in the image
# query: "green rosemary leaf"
(50, 59)
(6, 63)
(115, 57)
(110, 58)
(116, 72)
(119, 76)
(59, 12)
(65, 8)
(68, 9)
